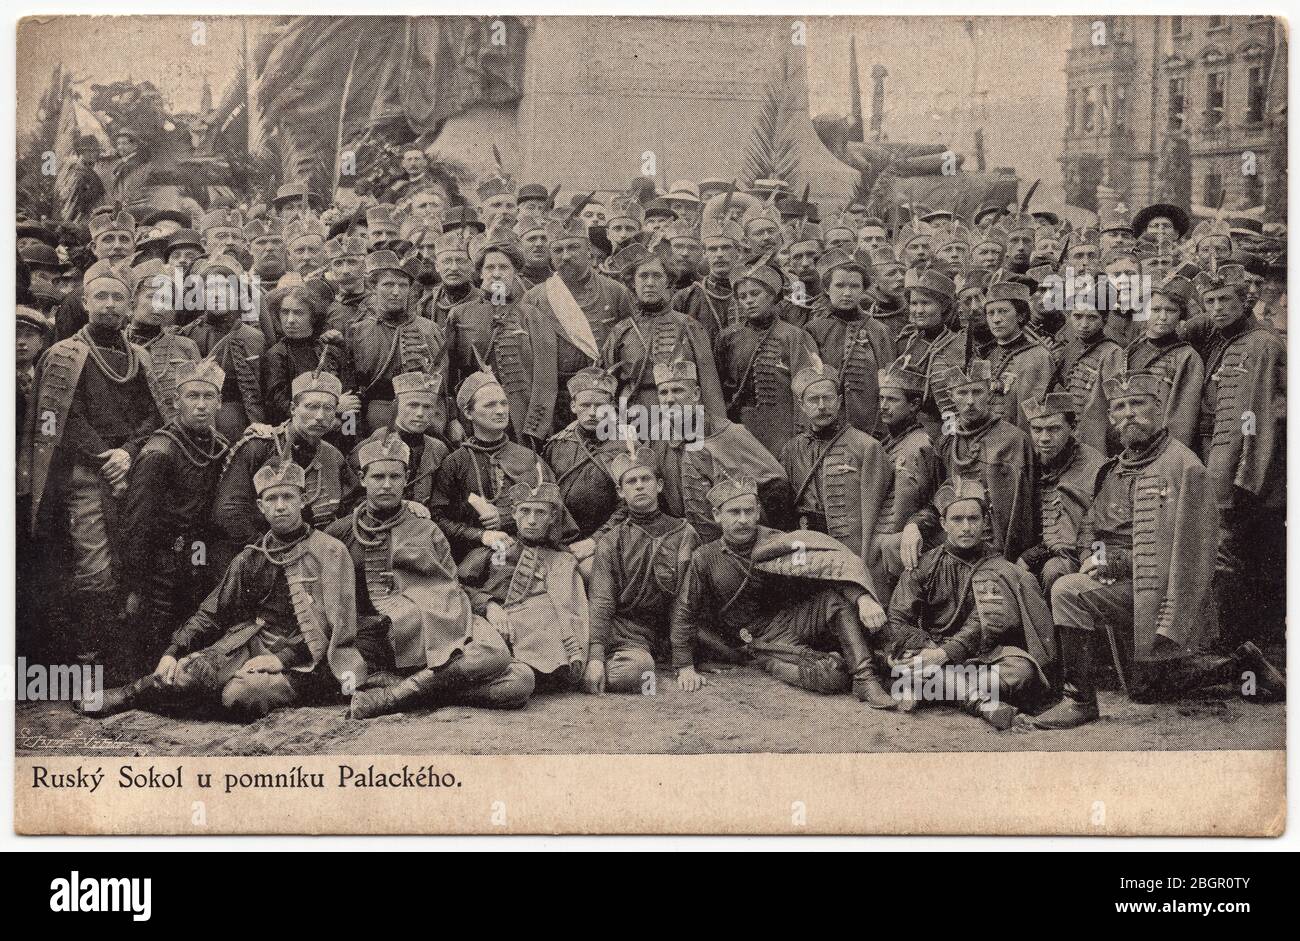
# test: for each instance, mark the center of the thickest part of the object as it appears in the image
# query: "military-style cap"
(977, 370)
(1007, 291)
(909, 233)
(387, 260)
(680, 229)
(150, 273)
(932, 282)
(542, 492)
(1053, 403)
(839, 258)
(957, 489)
(727, 490)
(109, 221)
(592, 379)
(1116, 220)
(972, 279)
(389, 447)
(636, 456)
(884, 257)
(1135, 383)
(1085, 236)
(107, 269)
(533, 191)
(314, 381)
(345, 246)
(899, 375)
(659, 208)
(296, 193)
(1221, 276)
(279, 474)
(526, 224)
(472, 385)
(954, 234)
(565, 224)
(496, 185)
(256, 229)
(681, 370)
(763, 273)
(417, 383)
(722, 229)
(34, 318)
(626, 207)
(456, 217)
(838, 224)
(810, 376)
(629, 256)
(304, 226)
(806, 232)
(457, 241)
(382, 214)
(205, 370)
(222, 218)
(764, 211)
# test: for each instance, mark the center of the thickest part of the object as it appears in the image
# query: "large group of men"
(418, 453)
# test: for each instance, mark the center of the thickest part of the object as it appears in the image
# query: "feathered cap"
(417, 383)
(960, 488)
(1135, 383)
(592, 379)
(205, 370)
(635, 456)
(810, 376)
(676, 371)
(900, 375)
(317, 381)
(389, 447)
(727, 490)
(279, 473)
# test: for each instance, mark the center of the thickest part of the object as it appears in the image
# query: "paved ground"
(739, 711)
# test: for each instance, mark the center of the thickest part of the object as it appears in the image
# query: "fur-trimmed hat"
(900, 375)
(677, 371)
(592, 379)
(315, 381)
(810, 376)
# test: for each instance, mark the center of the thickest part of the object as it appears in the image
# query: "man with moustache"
(914, 244)
(279, 630)
(1022, 367)
(1067, 475)
(1143, 593)
(686, 261)
(418, 424)
(151, 291)
(1021, 230)
(534, 249)
(112, 239)
(656, 333)
(422, 643)
(757, 360)
(392, 339)
(222, 230)
(711, 302)
(94, 403)
(885, 298)
(635, 575)
(167, 515)
(803, 299)
(454, 260)
(991, 451)
(345, 269)
(762, 233)
(800, 605)
(851, 341)
(267, 245)
(583, 303)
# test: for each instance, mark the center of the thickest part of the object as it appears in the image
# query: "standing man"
(454, 260)
(758, 359)
(711, 302)
(582, 303)
(851, 341)
(345, 267)
(1162, 351)
(1022, 367)
(421, 640)
(1142, 593)
(635, 576)
(1087, 360)
(1067, 477)
(167, 350)
(168, 536)
(418, 423)
(929, 344)
(112, 239)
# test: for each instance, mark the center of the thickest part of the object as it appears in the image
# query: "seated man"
(413, 617)
(1151, 593)
(635, 575)
(968, 623)
(796, 603)
(535, 584)
(280, 628)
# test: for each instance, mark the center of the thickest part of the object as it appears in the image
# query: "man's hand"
(332, 337)
(689, 680)
(870, 613)
(417, 509)
(492, 537)
(116, 463)
(593, 681)
(1091, 566)
(166, 670)
(583, 548)
(910, 547)
(133, 604)
(349, 402)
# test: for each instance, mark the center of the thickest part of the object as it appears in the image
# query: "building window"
(1216, 22)
(1177, 103)
(1255, 94)
(1213, 189)
(1214, 83)
(1176, 25)
(1088, 119)
(1255, 189)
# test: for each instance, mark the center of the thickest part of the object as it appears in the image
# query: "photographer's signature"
(27, 738)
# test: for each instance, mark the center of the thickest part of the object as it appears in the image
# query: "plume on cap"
(727, 489)
(317, 381)
(959, 488)
(900, 375)
(1053, 403)
(592, 379)
(675, 371)
(205, 370)
(1135, 383)
(386, 447)
(279, 472)
(413, 383)
(635, 456)
(810, 375)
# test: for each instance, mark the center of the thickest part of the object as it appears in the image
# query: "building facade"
(1176, 109)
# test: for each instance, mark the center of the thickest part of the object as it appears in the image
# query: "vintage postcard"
(651, 424)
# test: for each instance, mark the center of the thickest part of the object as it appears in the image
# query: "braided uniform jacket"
(1245, 387)
(1022, 370)
(167, 351)
(1000, 457)
(238, 352)
(382, 350)
(582, 471)
(1083, 368)
(634, 345)
(519, 344)
(856, 348)
(439, 304)
(934, 358)
(913, 476)
(1066, 496)
(1181, 366)
(713, 313)
(757, 365)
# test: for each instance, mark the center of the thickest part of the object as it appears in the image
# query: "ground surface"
(739, 711)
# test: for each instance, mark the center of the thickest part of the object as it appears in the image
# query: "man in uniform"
(536, 584)
(708, 448)
(635, 575)
(583, 303)
(535, 248)
(279, 630)
(392, 339)
(1148, 592)
(967, 622)
(420, 637)
(94, 404)
(112, 239)
(886, 297)
(758, 358)
(1022, 367)
(454, 261)
(150, 290)
(928, 343)
(1086, 360)
(796, 603)
(851, 341)
(1067, 475)
(345, 265)
(418, 422)
(710, 301)
(1162, 351)
(803, 299)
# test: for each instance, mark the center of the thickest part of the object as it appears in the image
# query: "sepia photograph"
(413, 402)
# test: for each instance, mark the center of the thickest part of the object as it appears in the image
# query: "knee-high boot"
(857, 657)
(417, 688)
(1079, 706)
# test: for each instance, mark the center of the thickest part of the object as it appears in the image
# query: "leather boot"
(857, 658)
(1270, 682)
(1079, 706)
(1000, 715)
(143, 693)
(417, 688)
